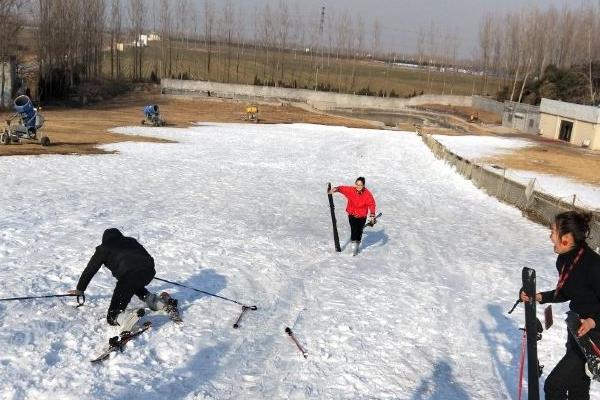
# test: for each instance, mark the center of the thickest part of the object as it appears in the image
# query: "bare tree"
(283, 33)
(166, 42)
(10, 11)
(209, 21)
(137, 14)
(485, 48)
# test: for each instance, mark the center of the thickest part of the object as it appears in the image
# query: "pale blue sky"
(402, 19)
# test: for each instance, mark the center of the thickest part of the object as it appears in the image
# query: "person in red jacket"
(361, 205)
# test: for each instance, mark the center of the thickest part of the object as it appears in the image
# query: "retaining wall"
(538, 206)
(317, 99)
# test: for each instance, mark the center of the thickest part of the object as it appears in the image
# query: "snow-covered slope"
(241, 211)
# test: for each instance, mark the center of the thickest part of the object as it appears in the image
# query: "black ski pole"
(207, 293)
(515, 305)
(48, 296)
(237, 322)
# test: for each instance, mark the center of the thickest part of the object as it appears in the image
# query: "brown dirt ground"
(556, 158)
(81, 130)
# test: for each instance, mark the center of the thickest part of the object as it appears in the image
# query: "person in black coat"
(130, 263)
(579, 282)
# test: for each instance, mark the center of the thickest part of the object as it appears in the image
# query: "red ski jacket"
(359, 203)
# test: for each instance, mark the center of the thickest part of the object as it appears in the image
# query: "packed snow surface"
(240, 210)
(478, 148)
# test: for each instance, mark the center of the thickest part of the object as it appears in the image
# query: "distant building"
(142, 41)
(571, 123)
(120, 47)
(522, 117)
(153, 37)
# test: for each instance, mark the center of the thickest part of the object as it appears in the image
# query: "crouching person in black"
(578, 282)
(130, 263)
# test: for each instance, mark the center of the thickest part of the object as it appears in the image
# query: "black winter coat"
(120, 254)
(582, 287)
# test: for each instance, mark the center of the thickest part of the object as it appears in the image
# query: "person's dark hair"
(360, 178)
(575, 223)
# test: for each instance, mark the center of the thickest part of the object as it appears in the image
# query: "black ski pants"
(568, 379)
(356, 227)
(131, 283)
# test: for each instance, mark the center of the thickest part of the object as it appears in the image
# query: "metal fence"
(538, 206)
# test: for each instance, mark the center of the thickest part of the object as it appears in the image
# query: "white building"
(571, 123)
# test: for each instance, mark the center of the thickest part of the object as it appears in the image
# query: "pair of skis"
(118, 343)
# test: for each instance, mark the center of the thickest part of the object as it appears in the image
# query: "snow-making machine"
(152, 116)
(30, 121)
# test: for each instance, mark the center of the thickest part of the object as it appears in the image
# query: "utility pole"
(321, 33)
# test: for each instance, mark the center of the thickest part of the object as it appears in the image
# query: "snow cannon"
(152, 116)
(151, 109)
(30, 121)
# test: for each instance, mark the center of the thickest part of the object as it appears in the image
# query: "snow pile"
(241, 211)
(477, 147)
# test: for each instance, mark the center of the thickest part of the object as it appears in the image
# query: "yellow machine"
(251, 113)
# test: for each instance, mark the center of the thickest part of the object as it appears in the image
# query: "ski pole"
(522, 363)
(298, 345)
(79, 302)
(207, 293)
(237, 322)
(515, 306)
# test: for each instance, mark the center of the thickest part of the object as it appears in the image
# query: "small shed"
(522, 117)
(573, 123)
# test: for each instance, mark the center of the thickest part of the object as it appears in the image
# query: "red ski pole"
(522, 362)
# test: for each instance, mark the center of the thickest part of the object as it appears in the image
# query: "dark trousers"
(568, 379)
(132, 283)
(356, 227)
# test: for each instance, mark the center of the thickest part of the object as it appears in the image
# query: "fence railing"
(538, 206)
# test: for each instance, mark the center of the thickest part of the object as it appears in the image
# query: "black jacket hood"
(111, 235)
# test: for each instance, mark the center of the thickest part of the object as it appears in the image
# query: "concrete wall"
(6, 95)
(549, 126)
(483, 103)
(318, 100)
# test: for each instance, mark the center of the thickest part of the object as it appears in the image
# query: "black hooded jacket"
(120, 254)
(582, 287)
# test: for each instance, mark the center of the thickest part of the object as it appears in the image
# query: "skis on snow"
(117, 343)
(298, 345)
(336, 238)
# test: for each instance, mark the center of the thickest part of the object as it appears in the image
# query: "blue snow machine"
(152, 116)
(30, 121)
